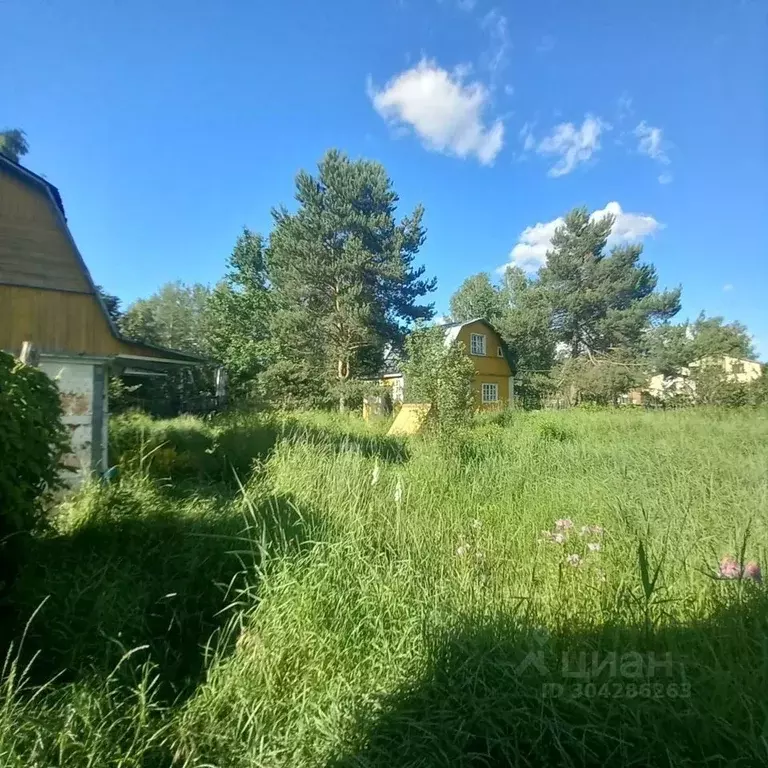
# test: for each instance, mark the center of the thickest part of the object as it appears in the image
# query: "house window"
(499, 352)
(737, 367)
(477, 344)
(490, 393)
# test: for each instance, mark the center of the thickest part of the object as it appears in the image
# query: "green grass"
(303, 591)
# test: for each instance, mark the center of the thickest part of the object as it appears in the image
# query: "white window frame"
(488, 387)
(499, 352)
(481, 344)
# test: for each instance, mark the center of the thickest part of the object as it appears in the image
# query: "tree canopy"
(239, 310)
(600, 301)
(13, 144)
(176, 316)
(342, 272)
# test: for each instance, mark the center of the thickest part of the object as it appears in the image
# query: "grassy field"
(309, 592)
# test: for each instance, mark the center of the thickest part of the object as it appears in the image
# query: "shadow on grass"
(495, 694)
(191, 451)
(146, 579)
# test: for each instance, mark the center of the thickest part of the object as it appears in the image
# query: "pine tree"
(343, 273)
(601, 302)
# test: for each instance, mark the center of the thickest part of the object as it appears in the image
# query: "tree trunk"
(342, 369)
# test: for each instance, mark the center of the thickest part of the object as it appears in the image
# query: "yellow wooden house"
(494, 366)
(47, 298)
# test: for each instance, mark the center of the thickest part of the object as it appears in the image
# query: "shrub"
(442, 375)
(599, 380)
(32, 440)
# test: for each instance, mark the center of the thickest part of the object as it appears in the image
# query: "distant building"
(494, 369)
(47, 298)
(733, 369)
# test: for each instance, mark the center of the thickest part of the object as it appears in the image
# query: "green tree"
(671, 347)
(440, 374)
(712, 336)
(239, 311)
(343, 273)
(176, 316)
(477, 296)
(600, 302)
(599, 379)
(13, 144)
(520, 311)
(111, 303)
(526, 323)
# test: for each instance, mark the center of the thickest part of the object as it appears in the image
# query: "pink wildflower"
(752, 571)
(730, 568)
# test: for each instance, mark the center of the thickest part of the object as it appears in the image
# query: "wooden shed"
(47, 297)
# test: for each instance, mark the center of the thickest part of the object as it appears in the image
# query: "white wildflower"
(476, 524)
(462, 550)
(399, 492)
(594, 546)
(574, 560)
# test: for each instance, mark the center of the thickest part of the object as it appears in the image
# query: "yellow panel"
(410, 419)
(55, 321)
(490, 363)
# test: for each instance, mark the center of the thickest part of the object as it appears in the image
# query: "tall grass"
(304, 591)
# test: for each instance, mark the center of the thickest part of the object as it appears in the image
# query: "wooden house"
(494, 367)
(47, 298)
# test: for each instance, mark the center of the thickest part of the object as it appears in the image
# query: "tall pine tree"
(601, 301)
(343, 274)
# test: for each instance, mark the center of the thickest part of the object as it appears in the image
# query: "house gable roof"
(44, 187)
(452, 331)
(393, 358)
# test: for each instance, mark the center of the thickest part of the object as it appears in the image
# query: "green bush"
(32, 440)
(442, 375)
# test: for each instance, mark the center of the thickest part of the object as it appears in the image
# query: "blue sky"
(169, 125)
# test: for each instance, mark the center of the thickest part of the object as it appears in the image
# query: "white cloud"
(466, 5)
(574, 145)
(526, 136)
(442, 109)
(531, 249)
(728, 287)
(651, 142)
(665, 178)
(509, 89)
(627, 227)
(495, 24)
(530, 252)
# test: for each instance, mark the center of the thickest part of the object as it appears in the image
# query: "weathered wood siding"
(35, 250)
(55, 321)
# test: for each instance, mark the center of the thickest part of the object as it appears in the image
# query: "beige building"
(734, 368)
